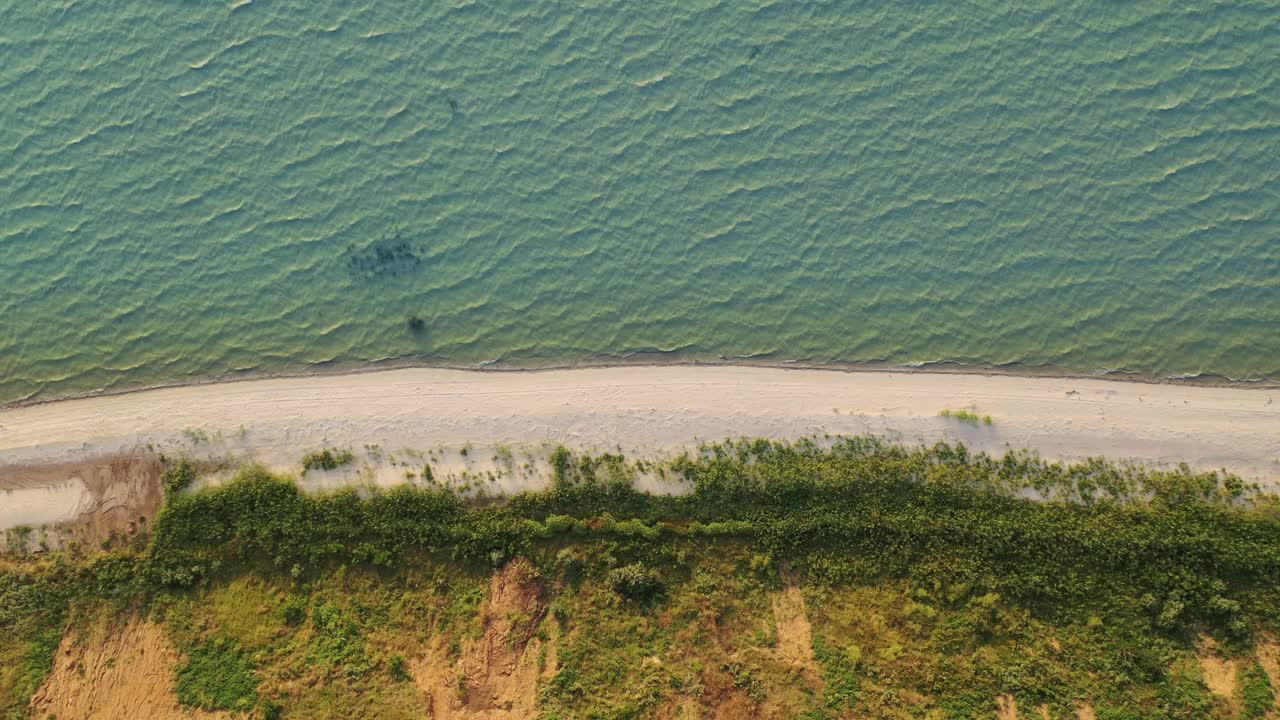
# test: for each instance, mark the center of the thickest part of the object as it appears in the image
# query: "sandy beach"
(654, 410)
(95, 460)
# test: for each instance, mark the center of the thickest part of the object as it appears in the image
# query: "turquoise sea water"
(195, 189)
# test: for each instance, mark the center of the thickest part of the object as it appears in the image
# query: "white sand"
(649, 411)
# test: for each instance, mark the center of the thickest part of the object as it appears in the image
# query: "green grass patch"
(1256, 692)
(25, 660)
(217, 676)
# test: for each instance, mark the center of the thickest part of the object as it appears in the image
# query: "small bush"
(561, 462)
(327, 459)
(19, 539)
(178, 477)
(396, 664)
(636, 582)
(295, 610)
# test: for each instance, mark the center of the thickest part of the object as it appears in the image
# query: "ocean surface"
(190, 190)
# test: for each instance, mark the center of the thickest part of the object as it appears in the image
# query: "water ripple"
(1051, 185)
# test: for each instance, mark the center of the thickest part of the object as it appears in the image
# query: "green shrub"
(295, 610)
(178, 477)
(18, 540)
(327, 459)
(1256, 690)
(636, 582)
(559, 524)
(398, 668)
(561, 463)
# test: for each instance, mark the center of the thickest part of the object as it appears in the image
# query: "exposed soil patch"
(1268, 652)
(722, 700)
(496, 677)
(1219, 672)
(1006, 708)
(123, 673)
(124, 493)
(795, 636)
(734, 690)
(681, 708)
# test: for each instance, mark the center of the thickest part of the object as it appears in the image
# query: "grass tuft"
(327, 459)
(968, 417)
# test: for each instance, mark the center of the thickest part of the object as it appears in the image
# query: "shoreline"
(648, 410)
(647, 359)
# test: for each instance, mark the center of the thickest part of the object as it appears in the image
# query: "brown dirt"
(497, 676)
(1006, 708)
(1268, 653)
(1085, 712)
(125, 487)
(122, 673)
(679, 708)
(722, 701)
(1219, 672)
(795, 636)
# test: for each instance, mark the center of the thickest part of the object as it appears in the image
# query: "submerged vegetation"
(859, 579)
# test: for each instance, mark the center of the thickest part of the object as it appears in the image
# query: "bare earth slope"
(126, 673)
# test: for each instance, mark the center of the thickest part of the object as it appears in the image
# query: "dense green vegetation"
(178, 476)
(935, 580)
(1257, 692)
